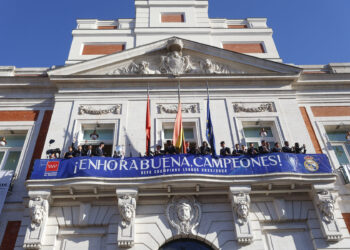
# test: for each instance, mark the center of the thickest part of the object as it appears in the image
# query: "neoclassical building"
(100, 95)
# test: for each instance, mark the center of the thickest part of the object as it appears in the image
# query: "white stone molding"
(254, 107)
(127, 210)
(174, 63)
(324, 202)
(281, 209)
(240, 201)
(39, 209)
(90, 110)
(172, 108)
(184, 214)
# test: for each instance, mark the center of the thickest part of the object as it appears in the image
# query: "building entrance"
(185, 244)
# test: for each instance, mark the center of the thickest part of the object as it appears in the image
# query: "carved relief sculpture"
(116, 109)
(240, 201)
(126, 206)
(174, 63)
(184, 214)
(39, 209)
(324, 201)
(253, 108)
(172, 108)
(127, 212)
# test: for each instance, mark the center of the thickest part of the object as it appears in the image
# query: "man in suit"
(263, 149)
(276, 148)
(237, 151)
(205, 149)
(252, 150)
(99, 150)
(286, 148)
(224, 151)
(169, 148)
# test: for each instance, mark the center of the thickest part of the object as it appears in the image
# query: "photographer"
(252, 150)
(264, 148)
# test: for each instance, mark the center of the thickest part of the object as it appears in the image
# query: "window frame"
(29, 128)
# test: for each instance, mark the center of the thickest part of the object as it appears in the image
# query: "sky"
(38, 33)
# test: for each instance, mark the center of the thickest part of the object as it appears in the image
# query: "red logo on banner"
(52, 166)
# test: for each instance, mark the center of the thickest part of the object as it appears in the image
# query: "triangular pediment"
(175, 56)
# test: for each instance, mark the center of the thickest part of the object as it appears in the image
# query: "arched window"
(185, 244)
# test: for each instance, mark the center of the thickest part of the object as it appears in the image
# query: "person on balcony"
(224, 151)
(264, 148)
(237, 151)
(88, 151)
(205, 149)
(276, 148)
(286, 148)
(158, 151)
(299, 150)
(252, 150)
(169, 148)
(69, 154)
(193, 149)
(243, 150)
(99, 150)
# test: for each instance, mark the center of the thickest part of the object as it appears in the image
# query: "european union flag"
(210, 131)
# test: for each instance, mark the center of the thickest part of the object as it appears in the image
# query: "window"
(173, 18)
(10, 152)
(245, 47)
(102, 49)
(94, 134)
(189, 131)
(339, 144)
(252, 132)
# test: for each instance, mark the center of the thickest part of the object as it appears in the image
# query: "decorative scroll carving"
(324, 201)
(127, 211)
(184, 214)
(172, 108)
(252, 108)
(240, 201)
(39, 209)
(116, 109)
(175, 63)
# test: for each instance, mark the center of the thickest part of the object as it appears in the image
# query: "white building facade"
(103, 87)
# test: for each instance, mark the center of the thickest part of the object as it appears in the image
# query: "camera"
(53, 151)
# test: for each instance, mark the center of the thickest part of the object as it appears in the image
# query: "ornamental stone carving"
(172, 108)
(174, 63)
(240, 201)
(184, 214)
(115, 109)
(39, 209)
(127, 211)
(126, 206)
(253, 107)
(324, 201)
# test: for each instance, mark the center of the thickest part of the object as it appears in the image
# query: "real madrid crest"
(310, 164)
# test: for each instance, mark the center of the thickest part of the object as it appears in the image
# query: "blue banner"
(180, 164)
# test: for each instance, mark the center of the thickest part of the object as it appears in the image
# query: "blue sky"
(38, 33)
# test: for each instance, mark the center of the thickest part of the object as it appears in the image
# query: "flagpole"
(178, 90)
(207, 89)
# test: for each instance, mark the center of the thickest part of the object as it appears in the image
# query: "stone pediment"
(175, 56)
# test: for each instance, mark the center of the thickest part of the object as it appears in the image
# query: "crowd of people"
(191, 148)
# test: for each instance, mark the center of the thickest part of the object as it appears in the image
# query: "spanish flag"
(179, 136)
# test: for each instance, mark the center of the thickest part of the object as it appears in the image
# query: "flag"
(210, 131)
(148, 128)
(179, 136)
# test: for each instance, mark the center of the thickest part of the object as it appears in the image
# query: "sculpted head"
(327, 207)
(37, 214)
(183, 210)
(242, 209)
(127, 211)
